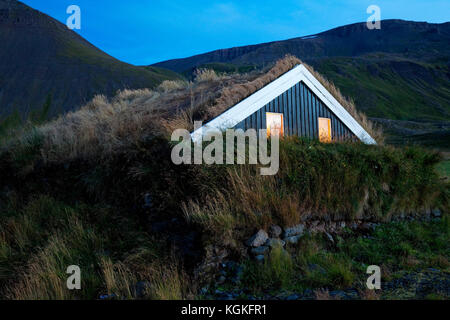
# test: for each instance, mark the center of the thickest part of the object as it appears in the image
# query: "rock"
(292, 239)
(330, 237)
(338, 294)
(259, 250)
(293, 297)
(436, 213)
(258, 239)
(275, 242)
(371, 226)
(275, 231)
(259, 258)
(342, 224)
(293, 231)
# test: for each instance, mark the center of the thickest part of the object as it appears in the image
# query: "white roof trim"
(260, 98)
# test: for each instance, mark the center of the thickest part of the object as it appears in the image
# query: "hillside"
(97, 188)
(41, 61)
(400, 72)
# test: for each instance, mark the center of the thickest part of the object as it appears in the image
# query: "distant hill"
(399, 72)
(43, 63)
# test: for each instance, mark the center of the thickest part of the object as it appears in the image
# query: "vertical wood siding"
(301, 109)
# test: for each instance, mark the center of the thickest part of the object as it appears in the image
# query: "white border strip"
(260, 98)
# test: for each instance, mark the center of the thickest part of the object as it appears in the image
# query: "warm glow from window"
(274, 123)
(325, 130)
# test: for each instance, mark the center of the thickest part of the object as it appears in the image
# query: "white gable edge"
(260, 98)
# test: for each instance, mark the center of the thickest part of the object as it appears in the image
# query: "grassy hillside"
(398, 89)
(97, 188)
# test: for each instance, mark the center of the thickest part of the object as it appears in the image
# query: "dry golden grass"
(236, 93)
(172, 85)
(205, 75)
(161, 279)
(258, 198)
(100, 128)
(119, 280)
(107, 126)
(43, 279)
(169, 283)
(369, 294)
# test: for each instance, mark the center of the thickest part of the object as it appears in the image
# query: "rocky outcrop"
(258, 239)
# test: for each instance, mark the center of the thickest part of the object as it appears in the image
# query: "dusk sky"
(143, 32)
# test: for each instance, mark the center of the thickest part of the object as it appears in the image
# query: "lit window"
(274, 123)
(325, 130)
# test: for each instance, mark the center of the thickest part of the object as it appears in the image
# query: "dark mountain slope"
(398, 72)
(419, 40)
(41, 58)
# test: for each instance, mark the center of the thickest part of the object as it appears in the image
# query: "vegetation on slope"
(386, 86)
(97, 188)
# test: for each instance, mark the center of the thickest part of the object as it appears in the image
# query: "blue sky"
(147, 31)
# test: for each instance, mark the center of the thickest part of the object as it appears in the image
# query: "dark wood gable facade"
(301, 110)
(296, 103)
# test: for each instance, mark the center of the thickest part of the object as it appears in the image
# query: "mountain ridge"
(227, 54)
(41, 59)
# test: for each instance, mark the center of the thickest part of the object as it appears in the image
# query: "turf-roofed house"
(295, 103)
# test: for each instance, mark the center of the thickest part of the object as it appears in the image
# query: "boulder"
(275, 242)
(293, 231)
(353, 226)
(259, 250)
(436, 213)
(292, 239)
(275, 231)
(258, 239)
